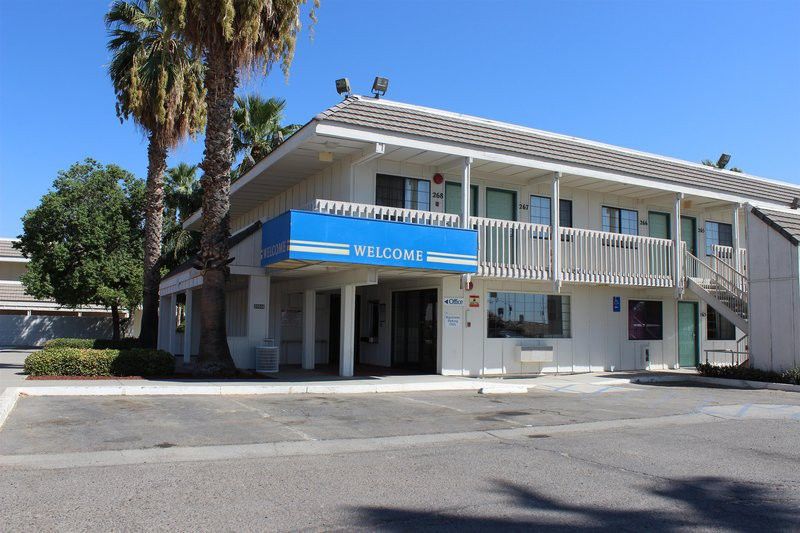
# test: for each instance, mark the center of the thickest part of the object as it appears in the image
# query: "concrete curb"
(723, 382)
(9, 398)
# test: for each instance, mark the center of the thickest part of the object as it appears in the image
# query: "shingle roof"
(444, 126)
(787, 224)
(7, 250)
(12, 292)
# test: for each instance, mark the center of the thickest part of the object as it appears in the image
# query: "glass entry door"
(687, 334)
(414, 330)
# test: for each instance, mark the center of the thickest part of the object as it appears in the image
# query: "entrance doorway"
(335, 331)
(414, 330)
(687, 334)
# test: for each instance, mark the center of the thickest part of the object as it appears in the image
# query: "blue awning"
(321, 237)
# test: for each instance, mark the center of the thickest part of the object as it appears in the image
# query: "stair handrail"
(737, 291)
(739, 278)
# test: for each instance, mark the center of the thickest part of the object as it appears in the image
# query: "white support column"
(677, 242)
(309, 328)
(172, 335)
(466, 201)
(736, 236)
(187, 328)
(257, 313)
(555, 237)
(347, 334)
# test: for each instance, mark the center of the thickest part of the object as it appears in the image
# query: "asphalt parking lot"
(657, 457)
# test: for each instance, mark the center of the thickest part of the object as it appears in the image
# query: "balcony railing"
(726, 253)
(519, 250)
(380, 212)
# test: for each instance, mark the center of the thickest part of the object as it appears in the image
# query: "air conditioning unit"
(535, 354)
(267, 357)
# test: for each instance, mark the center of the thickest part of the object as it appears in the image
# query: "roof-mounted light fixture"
(343, 86)
(723, 160)
(795, 203)
(380, 86)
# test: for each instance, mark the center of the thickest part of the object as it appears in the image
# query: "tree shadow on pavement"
(699, 503)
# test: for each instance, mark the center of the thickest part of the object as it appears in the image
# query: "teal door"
(501, 205)
(687, 334)
(689, 234)
(659, 225)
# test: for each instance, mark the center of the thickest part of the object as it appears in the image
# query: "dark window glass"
(397, 191)
(719, 328)
(452, 198)
(540, 211)
(718, 233)
(645, 320)
(526, 315)
(617, 220)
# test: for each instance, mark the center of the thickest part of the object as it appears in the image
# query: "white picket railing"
(508, 249)
(726, 253)
(617, 259)
(729, 285)
(380, 212)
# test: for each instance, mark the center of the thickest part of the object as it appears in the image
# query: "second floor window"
(617, 220)
(540, 211)
(397, 191)
(718, 233)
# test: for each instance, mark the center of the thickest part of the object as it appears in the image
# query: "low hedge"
(65, 361)
(791, 376)
(99, 344)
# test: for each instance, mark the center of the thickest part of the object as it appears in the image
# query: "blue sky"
(688, 79)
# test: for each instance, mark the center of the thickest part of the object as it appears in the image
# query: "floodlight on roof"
(380, 86)
(723, 161)
(343, 86)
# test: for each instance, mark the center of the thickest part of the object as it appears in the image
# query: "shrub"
(751, 374)
(99, 344)
(64, 361)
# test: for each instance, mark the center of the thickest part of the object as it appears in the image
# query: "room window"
(452, 198)
(718, 233)
(527, 315)
(397, 191)
(617, 220)
(540, 211)
(645, 320)
(719, 328)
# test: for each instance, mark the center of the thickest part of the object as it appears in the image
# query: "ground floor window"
(528, 315)
(719, 328)
(645, 320)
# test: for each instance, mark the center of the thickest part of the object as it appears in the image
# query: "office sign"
(320, 237)
(454, 300)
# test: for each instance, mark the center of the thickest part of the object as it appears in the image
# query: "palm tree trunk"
(220, 83)
(153, 223)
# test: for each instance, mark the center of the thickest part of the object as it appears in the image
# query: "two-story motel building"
(399, 236)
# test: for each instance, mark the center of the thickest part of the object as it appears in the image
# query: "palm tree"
(158, 82)
(183, 196)
(257, 128)
(234, 35)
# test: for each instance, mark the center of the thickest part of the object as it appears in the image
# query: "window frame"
(561, 211)
(566, 325)
(631, 303)
(709, 249)
(404, 178)
(717, 329)
(619, 211)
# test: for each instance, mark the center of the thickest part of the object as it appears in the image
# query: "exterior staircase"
(721, 286)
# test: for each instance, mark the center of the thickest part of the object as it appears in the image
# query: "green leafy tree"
(233, 35)
(158, 82)
(84, 240)
(258, 129)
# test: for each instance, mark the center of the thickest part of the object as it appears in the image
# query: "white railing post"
(555, 233)
(736, 229)
(466, 201)
(677, 262)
